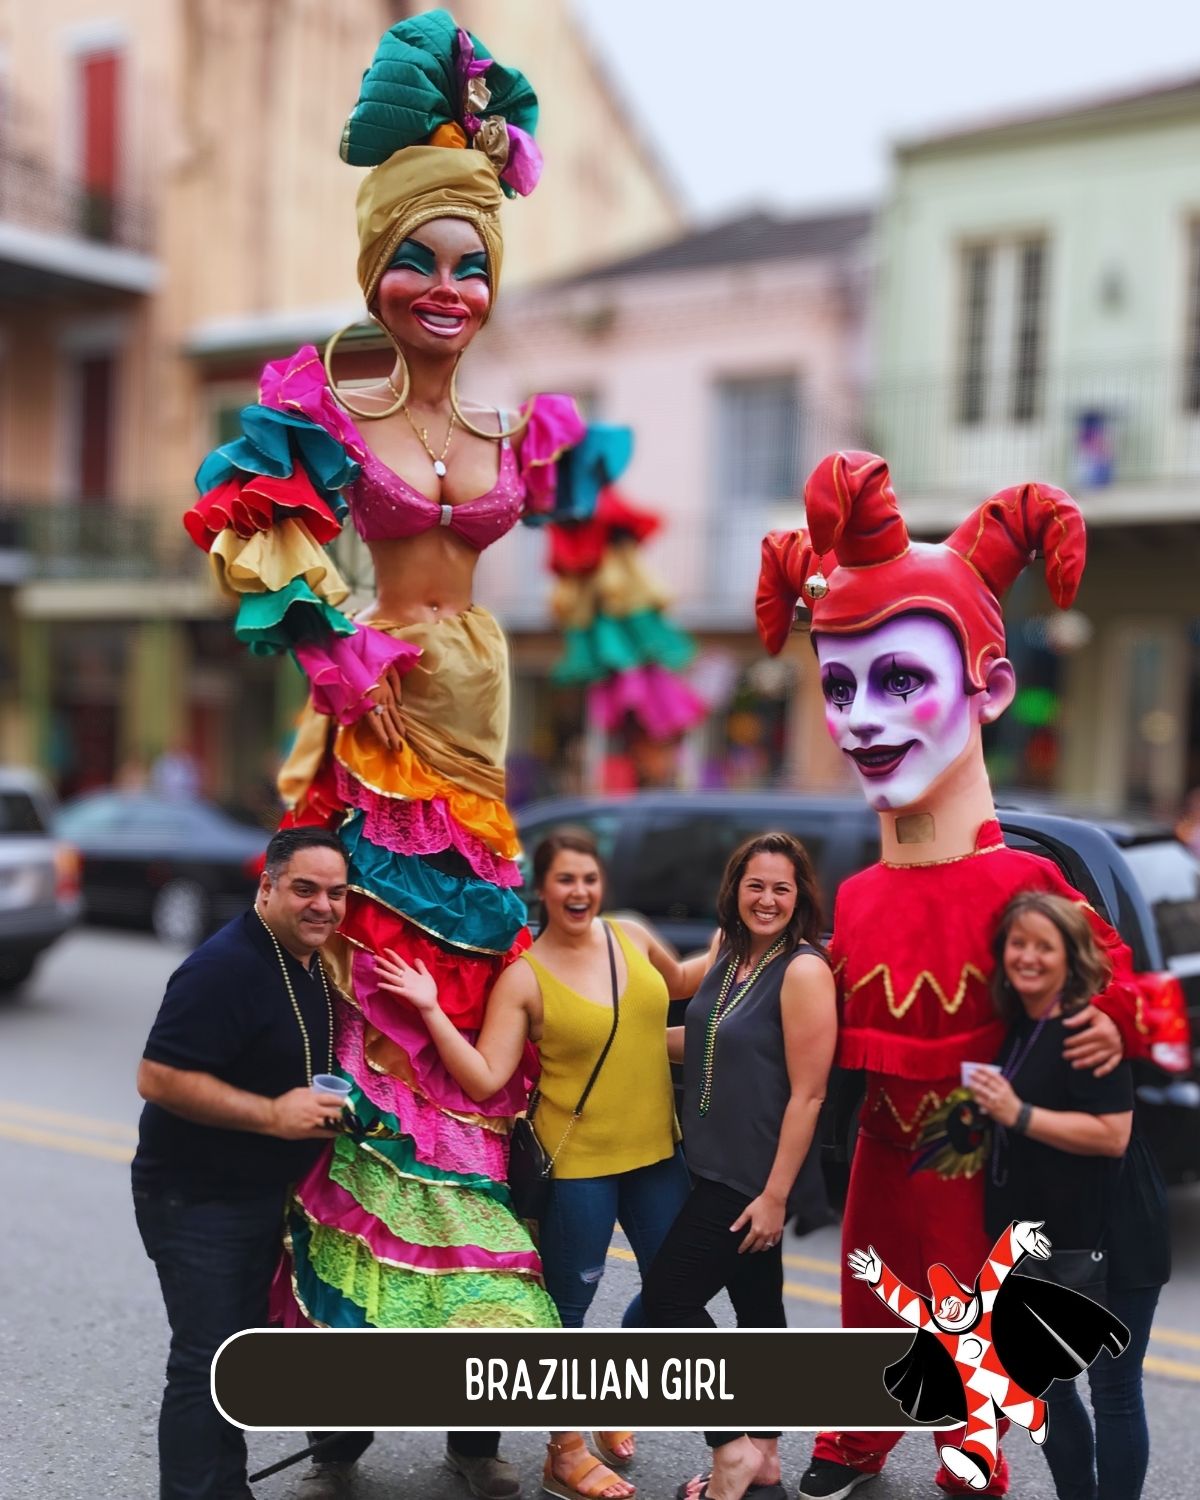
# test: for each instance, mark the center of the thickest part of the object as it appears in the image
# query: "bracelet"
(1021, 1123)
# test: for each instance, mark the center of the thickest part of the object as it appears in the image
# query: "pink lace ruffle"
(298, 384)
(661, 702)
(404, 1026)
(410, 826)
(345, 668)
(438, 1138)
(554, 426)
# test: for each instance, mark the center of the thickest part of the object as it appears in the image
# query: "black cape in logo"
(1042, 1332)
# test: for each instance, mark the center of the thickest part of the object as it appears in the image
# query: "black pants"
(214, 1261)
(698, 1259)
(350, 1446)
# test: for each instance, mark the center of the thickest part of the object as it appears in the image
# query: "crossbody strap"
(536, 1096)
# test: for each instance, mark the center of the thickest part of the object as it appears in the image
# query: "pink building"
(737, 353)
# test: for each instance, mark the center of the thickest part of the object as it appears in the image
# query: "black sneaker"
(825, 1480)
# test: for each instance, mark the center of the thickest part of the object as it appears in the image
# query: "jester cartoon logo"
(989, 1351)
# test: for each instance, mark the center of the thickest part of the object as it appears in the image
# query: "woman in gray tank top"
(757, 1048)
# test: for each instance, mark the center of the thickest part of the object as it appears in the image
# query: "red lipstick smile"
(880, 760)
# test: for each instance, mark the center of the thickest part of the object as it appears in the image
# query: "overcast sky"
(793, 104)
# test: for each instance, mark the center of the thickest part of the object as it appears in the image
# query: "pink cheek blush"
(925, 713)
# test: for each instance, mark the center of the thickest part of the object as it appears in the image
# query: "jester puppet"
(909, 638)
(989, 1351)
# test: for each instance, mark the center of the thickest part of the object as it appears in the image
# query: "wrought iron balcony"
(54, 540)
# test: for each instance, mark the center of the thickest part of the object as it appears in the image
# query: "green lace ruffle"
(391, 1297)
(435, 1214)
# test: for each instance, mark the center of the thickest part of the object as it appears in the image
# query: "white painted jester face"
(896, 706)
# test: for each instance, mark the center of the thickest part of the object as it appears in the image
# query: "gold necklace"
(287, 980)
(721, 1010)
(437, 459)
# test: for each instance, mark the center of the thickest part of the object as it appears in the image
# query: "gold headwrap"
(416, 185)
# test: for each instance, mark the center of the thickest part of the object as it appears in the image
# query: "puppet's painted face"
(952, 1313)
(435, 294)
(895, 705)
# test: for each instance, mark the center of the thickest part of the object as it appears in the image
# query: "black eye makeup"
(901, 681)
(838, 687)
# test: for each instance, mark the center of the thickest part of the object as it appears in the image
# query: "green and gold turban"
(448, 133)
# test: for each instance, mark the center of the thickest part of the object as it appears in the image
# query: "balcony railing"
(1092, 427)
(96, 541)
(35, 197)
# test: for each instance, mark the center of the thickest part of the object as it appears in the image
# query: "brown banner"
(459, 1379)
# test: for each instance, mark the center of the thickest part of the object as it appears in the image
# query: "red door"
(99, 88)
(96, 374)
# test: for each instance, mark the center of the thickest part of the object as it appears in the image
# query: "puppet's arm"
(865, 1265)
(1021, 1238)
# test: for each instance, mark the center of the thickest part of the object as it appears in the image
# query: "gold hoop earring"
(463, 421)
(344, 402)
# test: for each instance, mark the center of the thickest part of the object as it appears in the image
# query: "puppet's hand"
(865, 1265)
(1029, 1238)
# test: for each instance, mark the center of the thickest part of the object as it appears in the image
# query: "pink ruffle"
(329, 1203)
(299, 384)
(410, 826)
(438, 1138)
(344, 669)
(404, 1026)
(662, 703)
(554, 426)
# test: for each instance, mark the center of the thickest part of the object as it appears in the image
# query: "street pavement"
(82, 1331)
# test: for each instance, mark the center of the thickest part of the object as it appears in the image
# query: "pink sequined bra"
(386, 507)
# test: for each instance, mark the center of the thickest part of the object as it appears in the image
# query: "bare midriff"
(425, 577)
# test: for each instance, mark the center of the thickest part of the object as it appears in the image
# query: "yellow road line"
(1174, 1367)
(1172, 1336)
(810, 1263)
(78, 1144)
(10, 1108)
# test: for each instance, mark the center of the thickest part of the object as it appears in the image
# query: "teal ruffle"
(402, 1152)
(611, 644)
(277, 621)
(461, 911)
(270, 443)
(597, 460)
(412, 87)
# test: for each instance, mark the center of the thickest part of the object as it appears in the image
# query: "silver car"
(39, 876)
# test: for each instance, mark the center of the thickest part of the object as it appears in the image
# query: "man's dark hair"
(288, 842)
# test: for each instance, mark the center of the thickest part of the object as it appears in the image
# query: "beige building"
(736, 354)
(1038, 315)
(173, 211)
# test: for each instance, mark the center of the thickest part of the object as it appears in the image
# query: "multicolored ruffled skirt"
(407, 1222)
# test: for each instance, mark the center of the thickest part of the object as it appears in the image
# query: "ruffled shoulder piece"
(297, 451)
(566, 462)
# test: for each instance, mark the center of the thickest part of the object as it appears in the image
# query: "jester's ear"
(787, 560)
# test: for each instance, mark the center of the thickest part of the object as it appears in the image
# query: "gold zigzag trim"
(920, 1115)
(949, 1003)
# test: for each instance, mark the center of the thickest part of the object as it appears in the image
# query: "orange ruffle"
(401, 773)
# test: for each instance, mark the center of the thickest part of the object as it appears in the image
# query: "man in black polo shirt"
(230, 1121)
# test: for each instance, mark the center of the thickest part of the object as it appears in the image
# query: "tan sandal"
(606, 1444)
(587, 1480)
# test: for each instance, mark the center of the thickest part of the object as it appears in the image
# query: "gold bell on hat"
(816, 586)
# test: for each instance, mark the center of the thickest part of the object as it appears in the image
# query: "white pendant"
(439, 468)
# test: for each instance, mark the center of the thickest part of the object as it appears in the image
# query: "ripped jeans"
(578, 1224)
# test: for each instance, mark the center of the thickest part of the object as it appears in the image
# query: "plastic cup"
(968, 1068)
(327, 1083)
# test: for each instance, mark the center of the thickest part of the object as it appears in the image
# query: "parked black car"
(665, 852)
(39, 876)
(179, 866)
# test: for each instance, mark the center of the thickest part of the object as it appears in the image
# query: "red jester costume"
(910, 641)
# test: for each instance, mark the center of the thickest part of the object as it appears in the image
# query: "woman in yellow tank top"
(620, 1161)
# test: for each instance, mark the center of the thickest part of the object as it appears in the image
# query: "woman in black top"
(1059, 1155)
(756, 1049)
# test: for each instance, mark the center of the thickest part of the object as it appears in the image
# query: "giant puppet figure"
(909, 638)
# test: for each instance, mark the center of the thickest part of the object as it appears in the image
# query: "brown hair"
(805, 925)
(1088, 970)
(577, 841)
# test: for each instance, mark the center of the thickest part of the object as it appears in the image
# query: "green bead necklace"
(719, 1012)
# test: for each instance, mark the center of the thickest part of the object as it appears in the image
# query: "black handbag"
(1083, 1271)
(530, 1165)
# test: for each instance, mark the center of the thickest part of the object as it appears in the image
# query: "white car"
(39, 876)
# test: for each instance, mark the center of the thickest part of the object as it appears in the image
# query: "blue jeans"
(214, 1261)
(1109, 1464)
(578, 1224)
